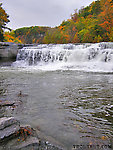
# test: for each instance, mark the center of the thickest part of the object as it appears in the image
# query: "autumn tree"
(106, 18)
(74, 16)
(29, 35)
(10, 37)
(93, 23)
(3, 21)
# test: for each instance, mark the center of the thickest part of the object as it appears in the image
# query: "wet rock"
(8, 51)
(16, 137)
(8, 127)
(35, 144)
(28, 144)
(7, 121)
(48, 143)
(6, 103)
(8, 132)
(21, 94)
(45, 145)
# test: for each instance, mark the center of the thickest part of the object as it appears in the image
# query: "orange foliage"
(10, 38)
(106, 16)
(61, 27)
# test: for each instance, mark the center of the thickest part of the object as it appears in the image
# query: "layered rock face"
(8, 51)
(13, 136)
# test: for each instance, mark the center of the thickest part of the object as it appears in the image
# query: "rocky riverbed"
(14, 136)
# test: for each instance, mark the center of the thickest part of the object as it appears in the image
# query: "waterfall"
(88, 57)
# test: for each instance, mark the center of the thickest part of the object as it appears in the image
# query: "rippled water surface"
(72, 107)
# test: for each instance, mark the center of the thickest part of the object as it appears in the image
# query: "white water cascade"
(86, 57)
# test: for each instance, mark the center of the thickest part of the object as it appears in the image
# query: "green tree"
(29, 35)
(3, 21)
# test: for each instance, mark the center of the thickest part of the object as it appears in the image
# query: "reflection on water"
(72, 107)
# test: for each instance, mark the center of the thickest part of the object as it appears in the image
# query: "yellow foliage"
(9, 38)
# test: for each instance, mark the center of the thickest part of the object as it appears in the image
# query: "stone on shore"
(8, 132)
(8, 127)
(16, 137)
(6, 103)
(7, 121)
(28, 144)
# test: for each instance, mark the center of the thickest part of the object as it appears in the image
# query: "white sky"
(40, 12)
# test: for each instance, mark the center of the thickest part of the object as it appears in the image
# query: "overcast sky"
(40, 12)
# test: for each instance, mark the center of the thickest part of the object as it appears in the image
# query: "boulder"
(8, 132)
(7, 121)
(8, 127)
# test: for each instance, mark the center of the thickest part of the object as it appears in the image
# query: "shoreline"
(15, 136)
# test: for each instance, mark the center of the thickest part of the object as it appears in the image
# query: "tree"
(29, 35)
(3, 21)
(10, 37)
(106, 18)
(74, 16)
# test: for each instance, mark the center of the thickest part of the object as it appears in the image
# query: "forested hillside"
(93, 23)
(31, 35)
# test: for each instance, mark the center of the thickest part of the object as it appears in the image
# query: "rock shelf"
(14, 136)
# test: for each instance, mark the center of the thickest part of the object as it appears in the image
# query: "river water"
(70, 102)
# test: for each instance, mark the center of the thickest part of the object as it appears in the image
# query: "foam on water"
(86, 57)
